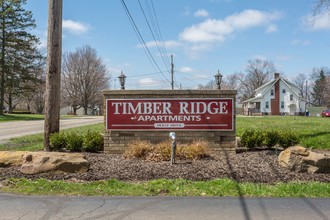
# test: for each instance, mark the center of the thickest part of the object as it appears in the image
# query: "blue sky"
(202, 35)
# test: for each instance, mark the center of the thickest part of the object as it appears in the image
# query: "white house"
(277, 97)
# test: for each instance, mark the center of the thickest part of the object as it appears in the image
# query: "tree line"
(314, 87)
(84, 74)
(23, 67)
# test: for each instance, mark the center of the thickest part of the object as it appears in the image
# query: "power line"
(136, 30)
(153, 36)
(155, 23)
(149, 55)
(186, 77)
(146, 74)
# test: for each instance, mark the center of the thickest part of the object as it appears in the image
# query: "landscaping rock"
(41, 162)
(300, 159)
(246, 166)
(11, 158)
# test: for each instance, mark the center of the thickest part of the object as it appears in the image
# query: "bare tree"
(321, 6)
(300, 81)
(84, 77)
(230, 82)
(258, 72)
(209, 85)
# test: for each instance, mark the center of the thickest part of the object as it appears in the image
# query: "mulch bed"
(257, 167)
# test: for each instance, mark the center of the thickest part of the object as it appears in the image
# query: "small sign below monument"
(170, 114)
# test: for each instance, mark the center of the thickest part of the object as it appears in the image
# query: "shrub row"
(162, 152)
(254, 138)
(92, 141)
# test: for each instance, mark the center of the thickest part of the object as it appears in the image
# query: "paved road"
(20, 128)
(14, 207)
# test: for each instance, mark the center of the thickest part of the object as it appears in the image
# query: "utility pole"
(172, 72)
(306, 99)
(53, 71)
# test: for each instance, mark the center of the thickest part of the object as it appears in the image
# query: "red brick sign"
(170, 114)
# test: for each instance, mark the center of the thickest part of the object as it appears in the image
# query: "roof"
(270, 85)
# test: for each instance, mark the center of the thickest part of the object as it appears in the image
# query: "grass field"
(314, 132)
(166, 187)
(27, 117)
(20, 117)
(35, 142)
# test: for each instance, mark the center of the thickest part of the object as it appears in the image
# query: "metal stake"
(172, 135)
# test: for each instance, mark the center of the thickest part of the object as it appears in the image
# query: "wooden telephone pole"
(53, 71)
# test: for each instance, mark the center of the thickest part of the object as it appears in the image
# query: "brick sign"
(170, 114)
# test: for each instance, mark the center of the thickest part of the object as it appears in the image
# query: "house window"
(282, 104)
(291, 97)
(272, 92)
(283, 91)
(267, 105)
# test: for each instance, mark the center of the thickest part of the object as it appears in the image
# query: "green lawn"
(314, 132)
(166, 187)
(27, 117)
(20, 117)
(35, 142)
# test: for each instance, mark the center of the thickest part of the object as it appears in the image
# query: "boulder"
(41, 162)
(11, 158)
(300, 159)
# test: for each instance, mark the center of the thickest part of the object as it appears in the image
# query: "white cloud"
(149, 82)
(186, 11)
(260, 57)
(75, 27)
(213, 30)
(271, 28)
(193, 51)
(284, 58)
(318, 22)
(186, 69)
(167, 44)
(300, 42)
(201, 13)
(43, 43)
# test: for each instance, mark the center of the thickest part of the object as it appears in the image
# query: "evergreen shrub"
(288, 138)
(58, 141)
(74, 142)
(93, 141)
(271, 138)
(252, 138)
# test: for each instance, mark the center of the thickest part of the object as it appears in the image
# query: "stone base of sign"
(220, 142)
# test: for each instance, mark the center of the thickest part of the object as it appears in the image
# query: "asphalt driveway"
(20, 128)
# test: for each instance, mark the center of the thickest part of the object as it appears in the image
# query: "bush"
(193, 151)
(288, 138)
(22, 111)
(162, 151)
(138, 149)
(57, 141)
(93, 141)
(271, 138)
(252, 138)
(74, 142)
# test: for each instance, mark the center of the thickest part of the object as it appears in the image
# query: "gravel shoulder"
(257, 167)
